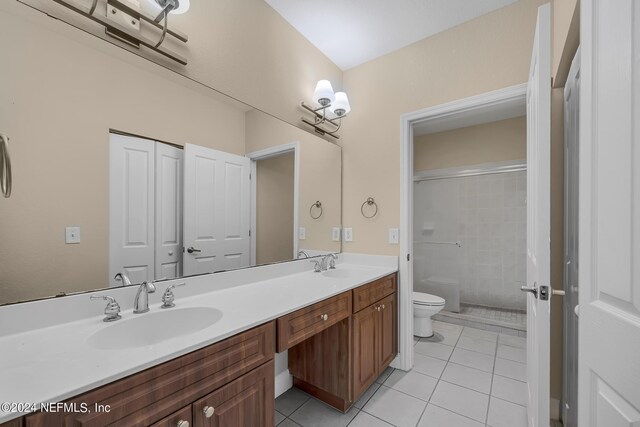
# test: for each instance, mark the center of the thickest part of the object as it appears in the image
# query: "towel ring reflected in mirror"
(369, 202)
(318, 207)
(5, 166)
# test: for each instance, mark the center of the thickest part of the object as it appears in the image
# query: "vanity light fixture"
(123, 19)
(336, 102)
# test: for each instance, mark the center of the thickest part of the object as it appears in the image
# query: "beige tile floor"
(462, 377)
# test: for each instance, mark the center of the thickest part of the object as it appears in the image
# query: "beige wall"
(566, 38)
(274, 208)
(487, 53)
(489, 142)
(320, 175)
(59, 147)
(242, 48)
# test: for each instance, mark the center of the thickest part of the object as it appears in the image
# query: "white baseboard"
(283, 382)
(554, 409)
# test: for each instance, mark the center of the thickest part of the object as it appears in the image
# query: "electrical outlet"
(393, 236)
(302, 233)
(72, 235)
(335, 234)
(348, 234)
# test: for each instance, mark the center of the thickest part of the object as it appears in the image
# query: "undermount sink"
(147, 329)
(345, 273)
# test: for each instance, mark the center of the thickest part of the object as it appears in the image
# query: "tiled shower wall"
(487, 215)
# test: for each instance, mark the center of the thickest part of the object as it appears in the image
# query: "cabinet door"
(387, 330)
(365, 349)
(247, 401)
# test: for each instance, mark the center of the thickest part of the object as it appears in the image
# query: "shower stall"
(470, 243)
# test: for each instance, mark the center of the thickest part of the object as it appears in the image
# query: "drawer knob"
(324, 316)
(183, 423)
(208, 411)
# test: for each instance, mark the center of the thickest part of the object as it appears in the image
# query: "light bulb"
(323, 94)
(340, 106)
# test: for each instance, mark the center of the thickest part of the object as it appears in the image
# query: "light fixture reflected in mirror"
(175, 7)
(337, 103)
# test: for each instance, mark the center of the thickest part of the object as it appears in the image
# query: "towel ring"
(369, 202)
(318, 205)
(5, 167)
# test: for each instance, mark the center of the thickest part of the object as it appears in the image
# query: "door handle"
(191, 250)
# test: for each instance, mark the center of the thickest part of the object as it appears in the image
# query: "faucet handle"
(332, 263)
(317, 267)
(112, 310)
(168, 297)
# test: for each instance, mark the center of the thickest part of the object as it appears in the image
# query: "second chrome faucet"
(141, 302)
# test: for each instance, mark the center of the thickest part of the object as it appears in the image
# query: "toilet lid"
(427, 299)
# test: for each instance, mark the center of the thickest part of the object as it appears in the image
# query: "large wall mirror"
(126, 169)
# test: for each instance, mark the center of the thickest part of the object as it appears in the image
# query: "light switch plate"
(72, 235)
(302, 233)
(393, 236)
(335, 234)
(348, 234)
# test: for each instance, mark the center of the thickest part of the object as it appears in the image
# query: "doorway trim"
(265, 154)
(459, 109)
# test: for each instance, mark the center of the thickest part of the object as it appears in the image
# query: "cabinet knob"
(378, 308)
(324, 316)
(183, 423)
(382, 306)
(208, 411)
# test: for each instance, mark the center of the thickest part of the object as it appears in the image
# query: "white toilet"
(425, 306)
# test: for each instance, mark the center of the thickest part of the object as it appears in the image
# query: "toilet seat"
(421, 298)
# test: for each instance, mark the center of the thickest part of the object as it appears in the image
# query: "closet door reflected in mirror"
(161, 194)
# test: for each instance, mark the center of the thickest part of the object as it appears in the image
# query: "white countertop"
(51, 364)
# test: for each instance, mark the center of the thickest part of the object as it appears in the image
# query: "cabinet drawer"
(366, 295)
(306, 322)
(247, 401)
(151, 395)
(177, 419)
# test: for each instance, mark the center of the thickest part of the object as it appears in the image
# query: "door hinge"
(408, 257)
(249, 233)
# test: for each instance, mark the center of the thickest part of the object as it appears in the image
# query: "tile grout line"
(439, 378)
(495, 356)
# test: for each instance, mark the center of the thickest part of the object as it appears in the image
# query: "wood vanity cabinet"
(232, 379)
(337, 364)
(375, 342)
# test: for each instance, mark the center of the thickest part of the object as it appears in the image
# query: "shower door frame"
(489, 103)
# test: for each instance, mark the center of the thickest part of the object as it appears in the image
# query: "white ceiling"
(351, 32)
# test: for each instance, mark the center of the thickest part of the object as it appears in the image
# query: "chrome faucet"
(141, 302)
(122, 277)
(328, 260)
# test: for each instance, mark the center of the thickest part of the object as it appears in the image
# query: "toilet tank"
(444, 287)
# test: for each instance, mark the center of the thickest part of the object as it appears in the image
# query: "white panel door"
(538, 220)
(609, 321)
(168, 220)
(131, 208)
(216, 210)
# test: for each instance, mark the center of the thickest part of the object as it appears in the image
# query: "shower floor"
(503, 320)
